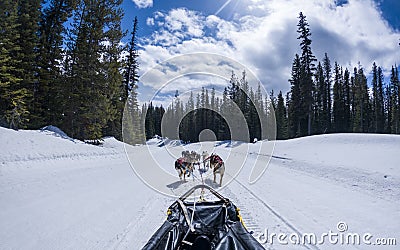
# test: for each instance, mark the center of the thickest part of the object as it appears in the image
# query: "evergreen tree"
(190, 119)
(253, 120)
(320, 116)
(395, 101)
(213, 112)
(244, 92)
(347, 101)
(223, 132)
(127, 91)
(49, 100)
(326, 95)
(158, 116)
(338, 100)
(294, 100)
(113, 88)
(361, 102)
(149, 121)
(307, 68)
(281, 118)
(232, 91)
(375, 100)
(272, 99)
(379, 109)
(259, 99)
(28, 17)
(13, 95)
(132, 65)
(198, 116)
(388, 108)
(89, 106)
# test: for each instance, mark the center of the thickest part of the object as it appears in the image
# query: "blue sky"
(261, 34)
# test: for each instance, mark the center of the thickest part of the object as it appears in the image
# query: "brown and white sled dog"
(218, 166)
(183, 168)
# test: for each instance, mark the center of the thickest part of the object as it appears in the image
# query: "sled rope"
(202, 189)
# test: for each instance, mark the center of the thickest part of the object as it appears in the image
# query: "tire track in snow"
(377, 184)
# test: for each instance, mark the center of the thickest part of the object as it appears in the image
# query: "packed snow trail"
(59, 193)
(268, 217)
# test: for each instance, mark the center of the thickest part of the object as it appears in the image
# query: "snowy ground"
(59, 193)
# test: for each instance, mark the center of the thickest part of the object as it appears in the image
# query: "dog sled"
(203, 225)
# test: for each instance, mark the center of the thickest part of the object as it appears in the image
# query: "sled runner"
(203, 225)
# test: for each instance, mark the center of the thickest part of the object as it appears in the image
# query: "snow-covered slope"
(59, 193)
(46, 144)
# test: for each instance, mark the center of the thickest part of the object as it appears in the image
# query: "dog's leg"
(215, 175)
(221, 173)
(188, 170)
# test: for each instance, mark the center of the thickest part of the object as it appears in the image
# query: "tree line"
(326, 99)
(240, 107)
(62, 63)
(323, 98)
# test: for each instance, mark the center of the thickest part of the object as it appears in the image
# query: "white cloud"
(266, 42)
(177, 25)
(150, 21)
(143, 3)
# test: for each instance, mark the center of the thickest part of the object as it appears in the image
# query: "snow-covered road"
(57, 193)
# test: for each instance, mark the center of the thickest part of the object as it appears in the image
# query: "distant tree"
(190, 119)
(347, 101)
(395, 101)
(232, 91)
(387, 108)
(149, 121)
(326, 95)
(244, 95)
(281, 118)
(223, 132)
(253, 120)
(273, 99)
(361, 119)
(294, 99)
(259, 99)
(320, 116)
(338, 100)
(377, 100)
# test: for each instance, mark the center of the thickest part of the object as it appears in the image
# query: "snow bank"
(49, 143)
(363, 152)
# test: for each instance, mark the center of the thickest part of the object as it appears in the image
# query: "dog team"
(186, 164)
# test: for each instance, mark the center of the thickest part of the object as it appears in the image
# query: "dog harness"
(216, 158)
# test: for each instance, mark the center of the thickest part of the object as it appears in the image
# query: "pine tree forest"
(62, 63)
